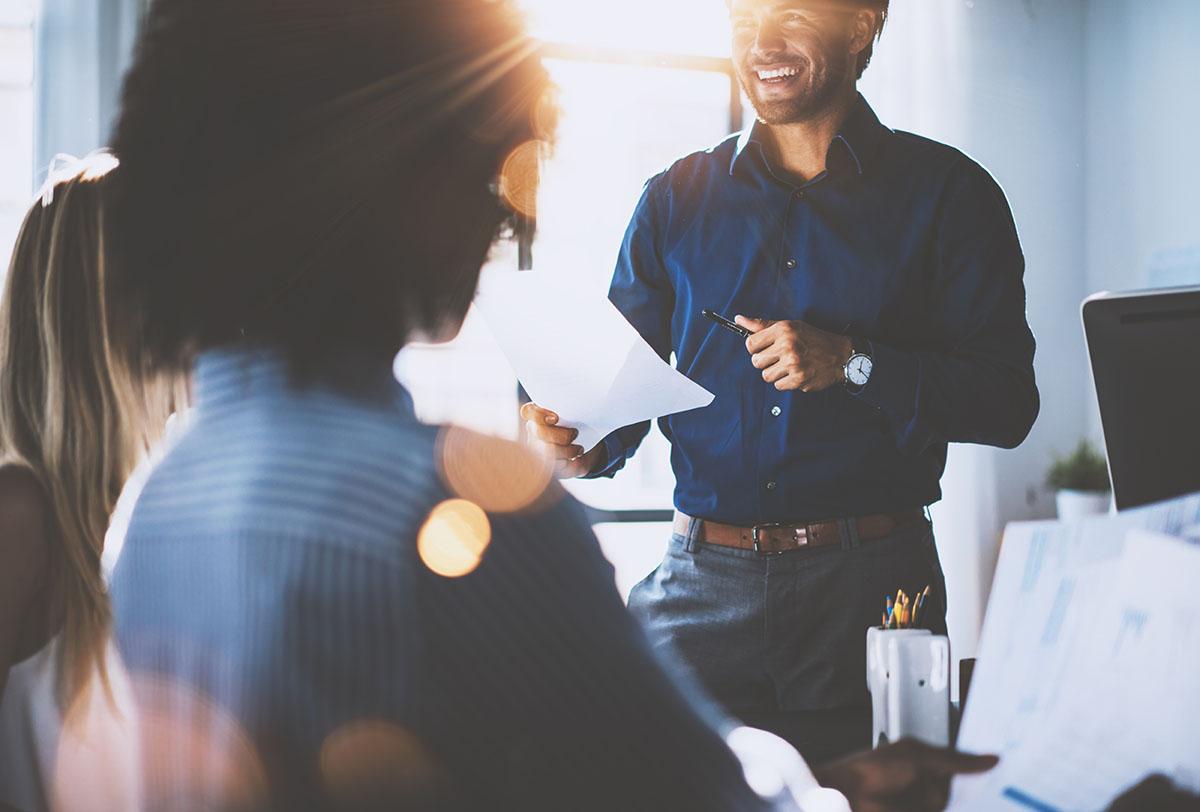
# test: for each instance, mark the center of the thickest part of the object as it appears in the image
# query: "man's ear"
(864, 26)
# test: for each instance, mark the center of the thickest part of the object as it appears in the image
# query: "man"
(879, 275)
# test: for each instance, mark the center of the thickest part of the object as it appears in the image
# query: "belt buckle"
(754, 536)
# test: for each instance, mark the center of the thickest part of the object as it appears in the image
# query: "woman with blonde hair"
(74, 422)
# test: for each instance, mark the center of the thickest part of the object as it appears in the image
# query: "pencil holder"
(908, 676)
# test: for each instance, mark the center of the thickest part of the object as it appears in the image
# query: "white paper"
(1052, 600)
(1132, 709)
(579, 357)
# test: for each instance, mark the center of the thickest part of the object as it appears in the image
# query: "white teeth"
(778, 73)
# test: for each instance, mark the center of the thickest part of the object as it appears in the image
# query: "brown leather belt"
(772, 539)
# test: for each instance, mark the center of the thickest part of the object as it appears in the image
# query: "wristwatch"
(858, 368)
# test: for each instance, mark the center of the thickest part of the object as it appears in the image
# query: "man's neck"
(800, 148)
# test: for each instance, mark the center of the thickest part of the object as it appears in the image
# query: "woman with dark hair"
(324, 603)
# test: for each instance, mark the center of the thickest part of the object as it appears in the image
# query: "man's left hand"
(796, 355)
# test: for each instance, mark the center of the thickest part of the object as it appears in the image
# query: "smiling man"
(879, 274)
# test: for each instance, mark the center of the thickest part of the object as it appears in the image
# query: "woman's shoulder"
(26, 618)
(24, 529)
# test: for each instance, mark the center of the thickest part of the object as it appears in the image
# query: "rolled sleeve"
(977, 383)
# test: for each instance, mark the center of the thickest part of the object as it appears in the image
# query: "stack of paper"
(1086, 665)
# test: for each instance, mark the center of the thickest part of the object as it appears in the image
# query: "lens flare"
(497, 475)
(372, 761)
(195, 755)
(454, 537)
(519, 178)
(96, 766)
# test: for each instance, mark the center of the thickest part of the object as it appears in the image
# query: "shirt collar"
(229, 375)
(855, 142)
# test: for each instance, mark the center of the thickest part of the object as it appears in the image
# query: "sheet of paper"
(1052, 581)
(578, 356)
(1125, 704)
(1133, 708)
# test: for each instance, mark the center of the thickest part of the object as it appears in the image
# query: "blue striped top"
(271, 602)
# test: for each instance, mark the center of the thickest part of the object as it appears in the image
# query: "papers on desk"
(1089, 649)
(578, 356)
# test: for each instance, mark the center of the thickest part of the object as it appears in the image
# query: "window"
(16, 113)
(625, 115)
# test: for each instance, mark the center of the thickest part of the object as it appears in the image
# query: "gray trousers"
(780, 640)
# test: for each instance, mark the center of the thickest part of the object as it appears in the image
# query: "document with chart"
(578, 356)
(1087, 648)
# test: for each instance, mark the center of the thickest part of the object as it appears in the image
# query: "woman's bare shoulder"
(24, 541)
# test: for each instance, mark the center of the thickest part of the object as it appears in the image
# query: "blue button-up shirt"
(902, 242)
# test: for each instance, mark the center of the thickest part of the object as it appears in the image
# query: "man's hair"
(864, 56)
(316, 174)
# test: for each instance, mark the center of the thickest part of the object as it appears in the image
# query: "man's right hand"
(558, 443)
(907, 776)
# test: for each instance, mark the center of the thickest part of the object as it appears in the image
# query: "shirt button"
(776, 411)
(799, 194)
(791, 264)
(770, 486)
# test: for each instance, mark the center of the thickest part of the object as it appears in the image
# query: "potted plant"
(1080, 482)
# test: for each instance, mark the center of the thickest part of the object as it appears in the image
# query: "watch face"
(858, 371)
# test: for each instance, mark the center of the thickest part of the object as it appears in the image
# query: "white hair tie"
(65, 167)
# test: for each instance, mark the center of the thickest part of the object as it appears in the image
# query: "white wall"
(1003, 81)
(1086, 112)
(1143, 146)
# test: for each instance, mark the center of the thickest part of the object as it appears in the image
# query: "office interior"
(1084, 111)
(1081, 109)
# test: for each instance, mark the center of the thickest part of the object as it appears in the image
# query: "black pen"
(732, 326)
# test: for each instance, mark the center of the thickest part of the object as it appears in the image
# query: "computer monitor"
(1145, 353)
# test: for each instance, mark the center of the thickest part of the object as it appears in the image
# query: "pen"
(726, 323)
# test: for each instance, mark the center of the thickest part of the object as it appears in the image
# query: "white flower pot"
(1077, 504)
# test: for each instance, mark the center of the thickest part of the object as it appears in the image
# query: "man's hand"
(796, 355)
(907, 776)
(1157, 793)
(558, 443)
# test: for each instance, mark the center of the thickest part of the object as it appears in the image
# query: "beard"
(814, 89)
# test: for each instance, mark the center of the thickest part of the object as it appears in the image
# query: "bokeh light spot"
(519, 178)
(370, 761)
(96, 766)
(498, 475)
(195, 754)
(454, 537)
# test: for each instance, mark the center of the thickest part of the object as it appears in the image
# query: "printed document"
(579, 357)
(1057, 661)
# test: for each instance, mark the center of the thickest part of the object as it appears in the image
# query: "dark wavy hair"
(313, 174)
